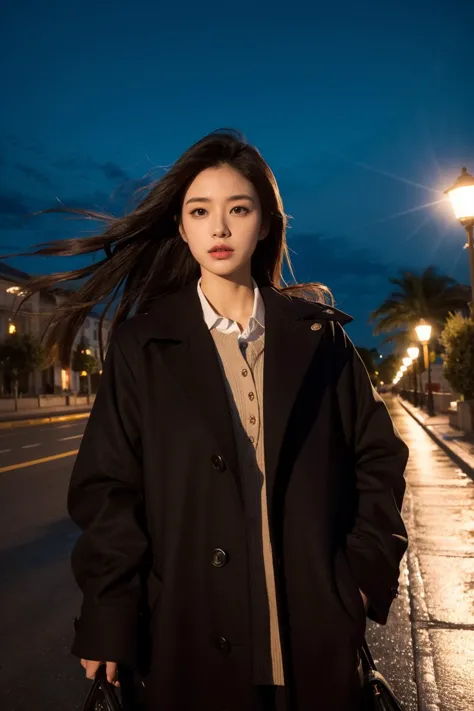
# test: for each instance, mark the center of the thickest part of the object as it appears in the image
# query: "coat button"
(223, 645)
(316, 327)
(219, 558)
(329, 311)
(218, 463)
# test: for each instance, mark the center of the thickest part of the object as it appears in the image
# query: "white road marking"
(63, 439)
(2, 451)
(28, 446)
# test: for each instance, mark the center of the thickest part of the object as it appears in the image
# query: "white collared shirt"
(256, 325)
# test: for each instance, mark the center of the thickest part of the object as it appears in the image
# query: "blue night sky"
(365, 112)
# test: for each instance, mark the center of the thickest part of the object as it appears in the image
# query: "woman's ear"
(264, 230)
(180, 228)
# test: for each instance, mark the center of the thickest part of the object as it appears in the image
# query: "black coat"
(155, 489)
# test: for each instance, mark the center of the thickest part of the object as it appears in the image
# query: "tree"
(20, 354)
(388, 369)
(369, 359)
(84, 362)
(458, 341)
(429, 295)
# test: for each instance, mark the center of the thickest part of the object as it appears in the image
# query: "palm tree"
(430, 295)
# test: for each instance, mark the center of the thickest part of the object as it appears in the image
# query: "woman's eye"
(198, 211)
(242, 210)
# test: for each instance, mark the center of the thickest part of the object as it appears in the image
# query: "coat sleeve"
(378, 541)
(105, 501)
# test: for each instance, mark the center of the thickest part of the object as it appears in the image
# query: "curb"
(425, 677)
(10, 424)
(462, 464)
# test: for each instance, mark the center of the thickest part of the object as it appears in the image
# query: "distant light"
(382, 382)
(16, 290)
(453, 405)
(406, 362)
(84, 372)
(88, 352)
(11, 328)
(413, 352)
(403, 368)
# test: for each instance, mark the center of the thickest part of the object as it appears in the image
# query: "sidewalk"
(40, 415)
(439, 514)
(458, 446)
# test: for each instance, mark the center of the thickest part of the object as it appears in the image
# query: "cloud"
(335, 257)
(17, 142)
(13, 210)
(68, 163)
(31, 172)
(112, 171)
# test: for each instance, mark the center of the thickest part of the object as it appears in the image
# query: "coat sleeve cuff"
(107, 633)
(377, 579)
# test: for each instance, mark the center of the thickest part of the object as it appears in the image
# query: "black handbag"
(377, 693)
(102, 695)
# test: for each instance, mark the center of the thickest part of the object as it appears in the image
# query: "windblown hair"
(145, 256)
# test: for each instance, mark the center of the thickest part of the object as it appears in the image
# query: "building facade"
(33, 318)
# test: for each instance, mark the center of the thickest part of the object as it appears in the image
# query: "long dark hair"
(144, 255)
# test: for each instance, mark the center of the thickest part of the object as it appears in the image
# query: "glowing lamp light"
(84, 372)
(423, 331)
(88, 352)
(413, 352)
(403, 368)
(406, 362)
(461, 195)
(11, 328)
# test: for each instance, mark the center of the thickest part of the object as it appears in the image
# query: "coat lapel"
(190, 355)
(294, 328)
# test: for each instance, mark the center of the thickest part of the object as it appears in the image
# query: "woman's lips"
(221, 253)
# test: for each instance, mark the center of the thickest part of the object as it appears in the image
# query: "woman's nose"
(220, 230)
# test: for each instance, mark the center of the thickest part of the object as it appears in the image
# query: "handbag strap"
(367, 656)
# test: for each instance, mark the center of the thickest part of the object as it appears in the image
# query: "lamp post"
(461, 195)
(407, 363)
(414, 352)
(423, 331)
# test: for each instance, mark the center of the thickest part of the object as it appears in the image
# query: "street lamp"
(414, 352)
(461, 195)
(423, 331)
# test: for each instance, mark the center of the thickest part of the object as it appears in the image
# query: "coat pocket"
(348, 590)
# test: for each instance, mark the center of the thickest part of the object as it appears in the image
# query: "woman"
(239, 482)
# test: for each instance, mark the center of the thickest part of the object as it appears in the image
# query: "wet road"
(38, 597)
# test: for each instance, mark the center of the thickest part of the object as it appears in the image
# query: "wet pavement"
(439, 513)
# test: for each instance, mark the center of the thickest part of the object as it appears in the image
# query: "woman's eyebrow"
(229, 199)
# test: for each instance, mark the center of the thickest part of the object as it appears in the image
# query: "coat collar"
(176, 316)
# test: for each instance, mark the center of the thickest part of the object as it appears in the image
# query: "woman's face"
(221, 221)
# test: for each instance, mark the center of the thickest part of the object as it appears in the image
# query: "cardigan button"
(223, 645)
(219, 558)
(218, 463)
